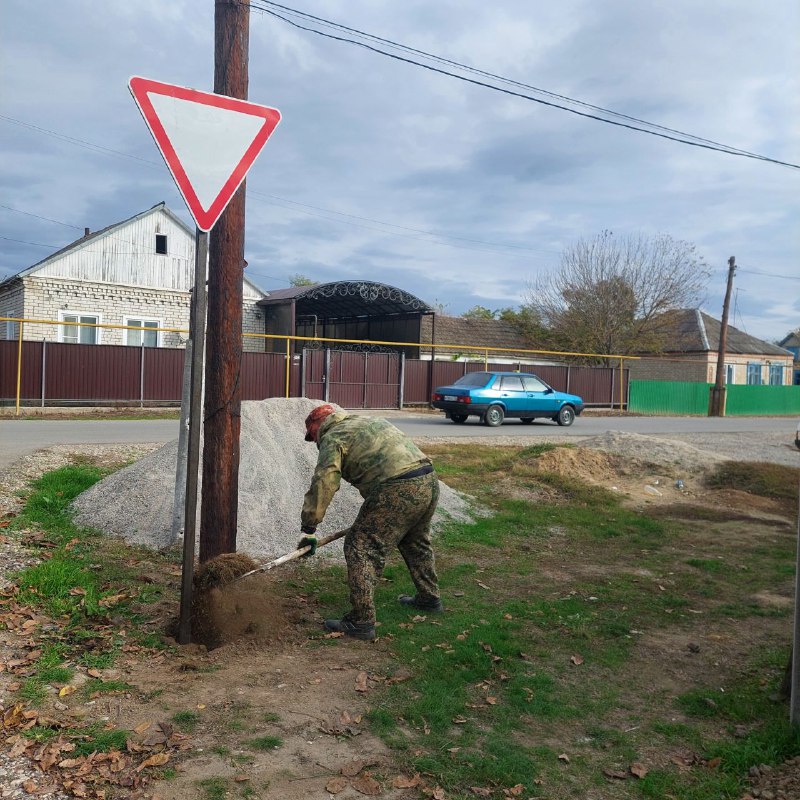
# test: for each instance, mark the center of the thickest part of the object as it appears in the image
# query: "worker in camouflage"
(400, 491)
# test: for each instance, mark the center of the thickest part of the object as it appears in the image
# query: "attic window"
(161, 244)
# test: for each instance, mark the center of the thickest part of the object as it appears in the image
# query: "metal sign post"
(197, 334)
(794, 702)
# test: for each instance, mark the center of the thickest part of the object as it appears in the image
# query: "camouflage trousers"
(398, 514)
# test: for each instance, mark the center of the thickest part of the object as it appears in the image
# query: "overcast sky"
(383, 170)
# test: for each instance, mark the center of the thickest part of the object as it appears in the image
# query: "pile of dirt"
(587, 465)
(681, 456)
(275, 470)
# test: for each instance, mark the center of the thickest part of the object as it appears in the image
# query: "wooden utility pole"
(716, 401)
(219, 509)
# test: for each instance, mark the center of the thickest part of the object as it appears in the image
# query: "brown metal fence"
(54, 373)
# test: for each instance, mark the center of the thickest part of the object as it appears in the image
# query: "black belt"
(414, 473)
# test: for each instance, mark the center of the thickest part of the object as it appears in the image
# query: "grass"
(519, 669)
(562, 613)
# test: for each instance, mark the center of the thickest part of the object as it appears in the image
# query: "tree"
(479, 312)
(610, 294)
(301, 280)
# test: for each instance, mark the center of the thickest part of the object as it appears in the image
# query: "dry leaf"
(352, 768)
(618, 774)
(241, 778)
(403, 782)
(334, 635)
(94, 673)
(514, 791)
(482, 585)
(438, 793)
(480, 791)
(157, 760)
(714, 763)
(638, 770)
(69, 763)
(367, 785)
(337, 784)
(65, 690)
(361, 682)
(459, 720)
(141, 728)
(576, 660)
(564, 757)
(491, 701)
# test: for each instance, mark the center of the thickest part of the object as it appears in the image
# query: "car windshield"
(474, 379)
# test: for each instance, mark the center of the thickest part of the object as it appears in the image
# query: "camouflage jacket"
(365, 451)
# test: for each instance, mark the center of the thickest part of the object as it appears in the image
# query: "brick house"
(137, 272)
(690, 354)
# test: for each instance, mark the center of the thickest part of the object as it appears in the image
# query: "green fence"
(676, 397)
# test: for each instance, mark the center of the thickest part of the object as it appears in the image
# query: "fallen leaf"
(618, 774)
(157, 760)
(714, 763)
(514, 791)
(367, 785)
(491, 701)
(142, 727)
(638, 770)
(403, 782)
(361, 682)
(564, 757)
(459, 720)
(576, 660)
(94, 673)
(480, 791)
(241, 778)
(69, 763)
(334, 635)
(65, 690)
(352, 768)
(337, 784)
(482, 585)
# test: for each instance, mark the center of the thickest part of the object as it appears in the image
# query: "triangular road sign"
(209, 141)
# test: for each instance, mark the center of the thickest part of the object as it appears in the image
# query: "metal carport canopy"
(348, 300)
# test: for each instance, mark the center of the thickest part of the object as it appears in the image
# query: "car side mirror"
(548, 390)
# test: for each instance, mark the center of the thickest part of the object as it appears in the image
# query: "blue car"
(493, 396)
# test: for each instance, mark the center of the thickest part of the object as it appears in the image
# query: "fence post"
(19, 363)
(401, 386)
(288, 364)
(326, 375)
(621, 385)
(364, 393)
(303, 372)
(141, 373)
(569, 368)
(44, 368)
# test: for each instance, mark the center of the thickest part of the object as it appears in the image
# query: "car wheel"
(566, 416)
(494, 416)
(458, 418)
(526, 420)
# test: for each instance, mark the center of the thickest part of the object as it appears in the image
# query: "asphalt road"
(21, 437)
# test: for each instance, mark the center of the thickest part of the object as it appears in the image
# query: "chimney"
(86, 231)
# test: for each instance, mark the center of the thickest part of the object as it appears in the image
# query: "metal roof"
(348, 300)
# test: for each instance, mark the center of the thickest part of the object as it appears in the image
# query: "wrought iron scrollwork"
(368, 291)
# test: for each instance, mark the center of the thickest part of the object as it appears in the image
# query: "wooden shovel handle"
(301, 551)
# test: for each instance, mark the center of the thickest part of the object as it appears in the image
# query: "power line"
(657, 130)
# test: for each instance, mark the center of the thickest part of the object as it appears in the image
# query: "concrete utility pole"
(716, 400)
(219, 510)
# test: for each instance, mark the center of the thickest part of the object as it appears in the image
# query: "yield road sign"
(208, 141)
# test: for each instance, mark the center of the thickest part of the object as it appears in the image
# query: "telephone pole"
(219, 509)
(716, 403)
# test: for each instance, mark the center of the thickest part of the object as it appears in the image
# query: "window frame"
(128, 319)
(775, 369)
(98, 320)
(730, 374)
(162, 237)
(751, 371)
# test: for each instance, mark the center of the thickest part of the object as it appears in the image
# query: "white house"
(138, 272)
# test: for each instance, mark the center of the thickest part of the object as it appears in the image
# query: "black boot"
(431, 604)
(358, 630)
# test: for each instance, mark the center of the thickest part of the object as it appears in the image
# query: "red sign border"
(205, 219)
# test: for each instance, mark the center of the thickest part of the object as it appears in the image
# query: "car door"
(512, 393)
(540, 399)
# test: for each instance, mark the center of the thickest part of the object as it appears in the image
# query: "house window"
(161, 244)
(147, 333)
(729, 373)
(77, 332)
(754, 374)
(12, 331)
(775, 375)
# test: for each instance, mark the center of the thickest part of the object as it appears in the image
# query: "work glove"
(309, 540)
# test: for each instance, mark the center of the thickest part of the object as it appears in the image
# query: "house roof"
(91, 237)
(466, 331)
(691, 330)
(791, 340)
(348, 300)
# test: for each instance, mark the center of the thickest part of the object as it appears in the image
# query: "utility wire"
(661, 132)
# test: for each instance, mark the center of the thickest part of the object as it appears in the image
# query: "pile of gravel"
(275, 469)
(654, 450)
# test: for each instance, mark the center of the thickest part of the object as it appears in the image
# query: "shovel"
(301, 551)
